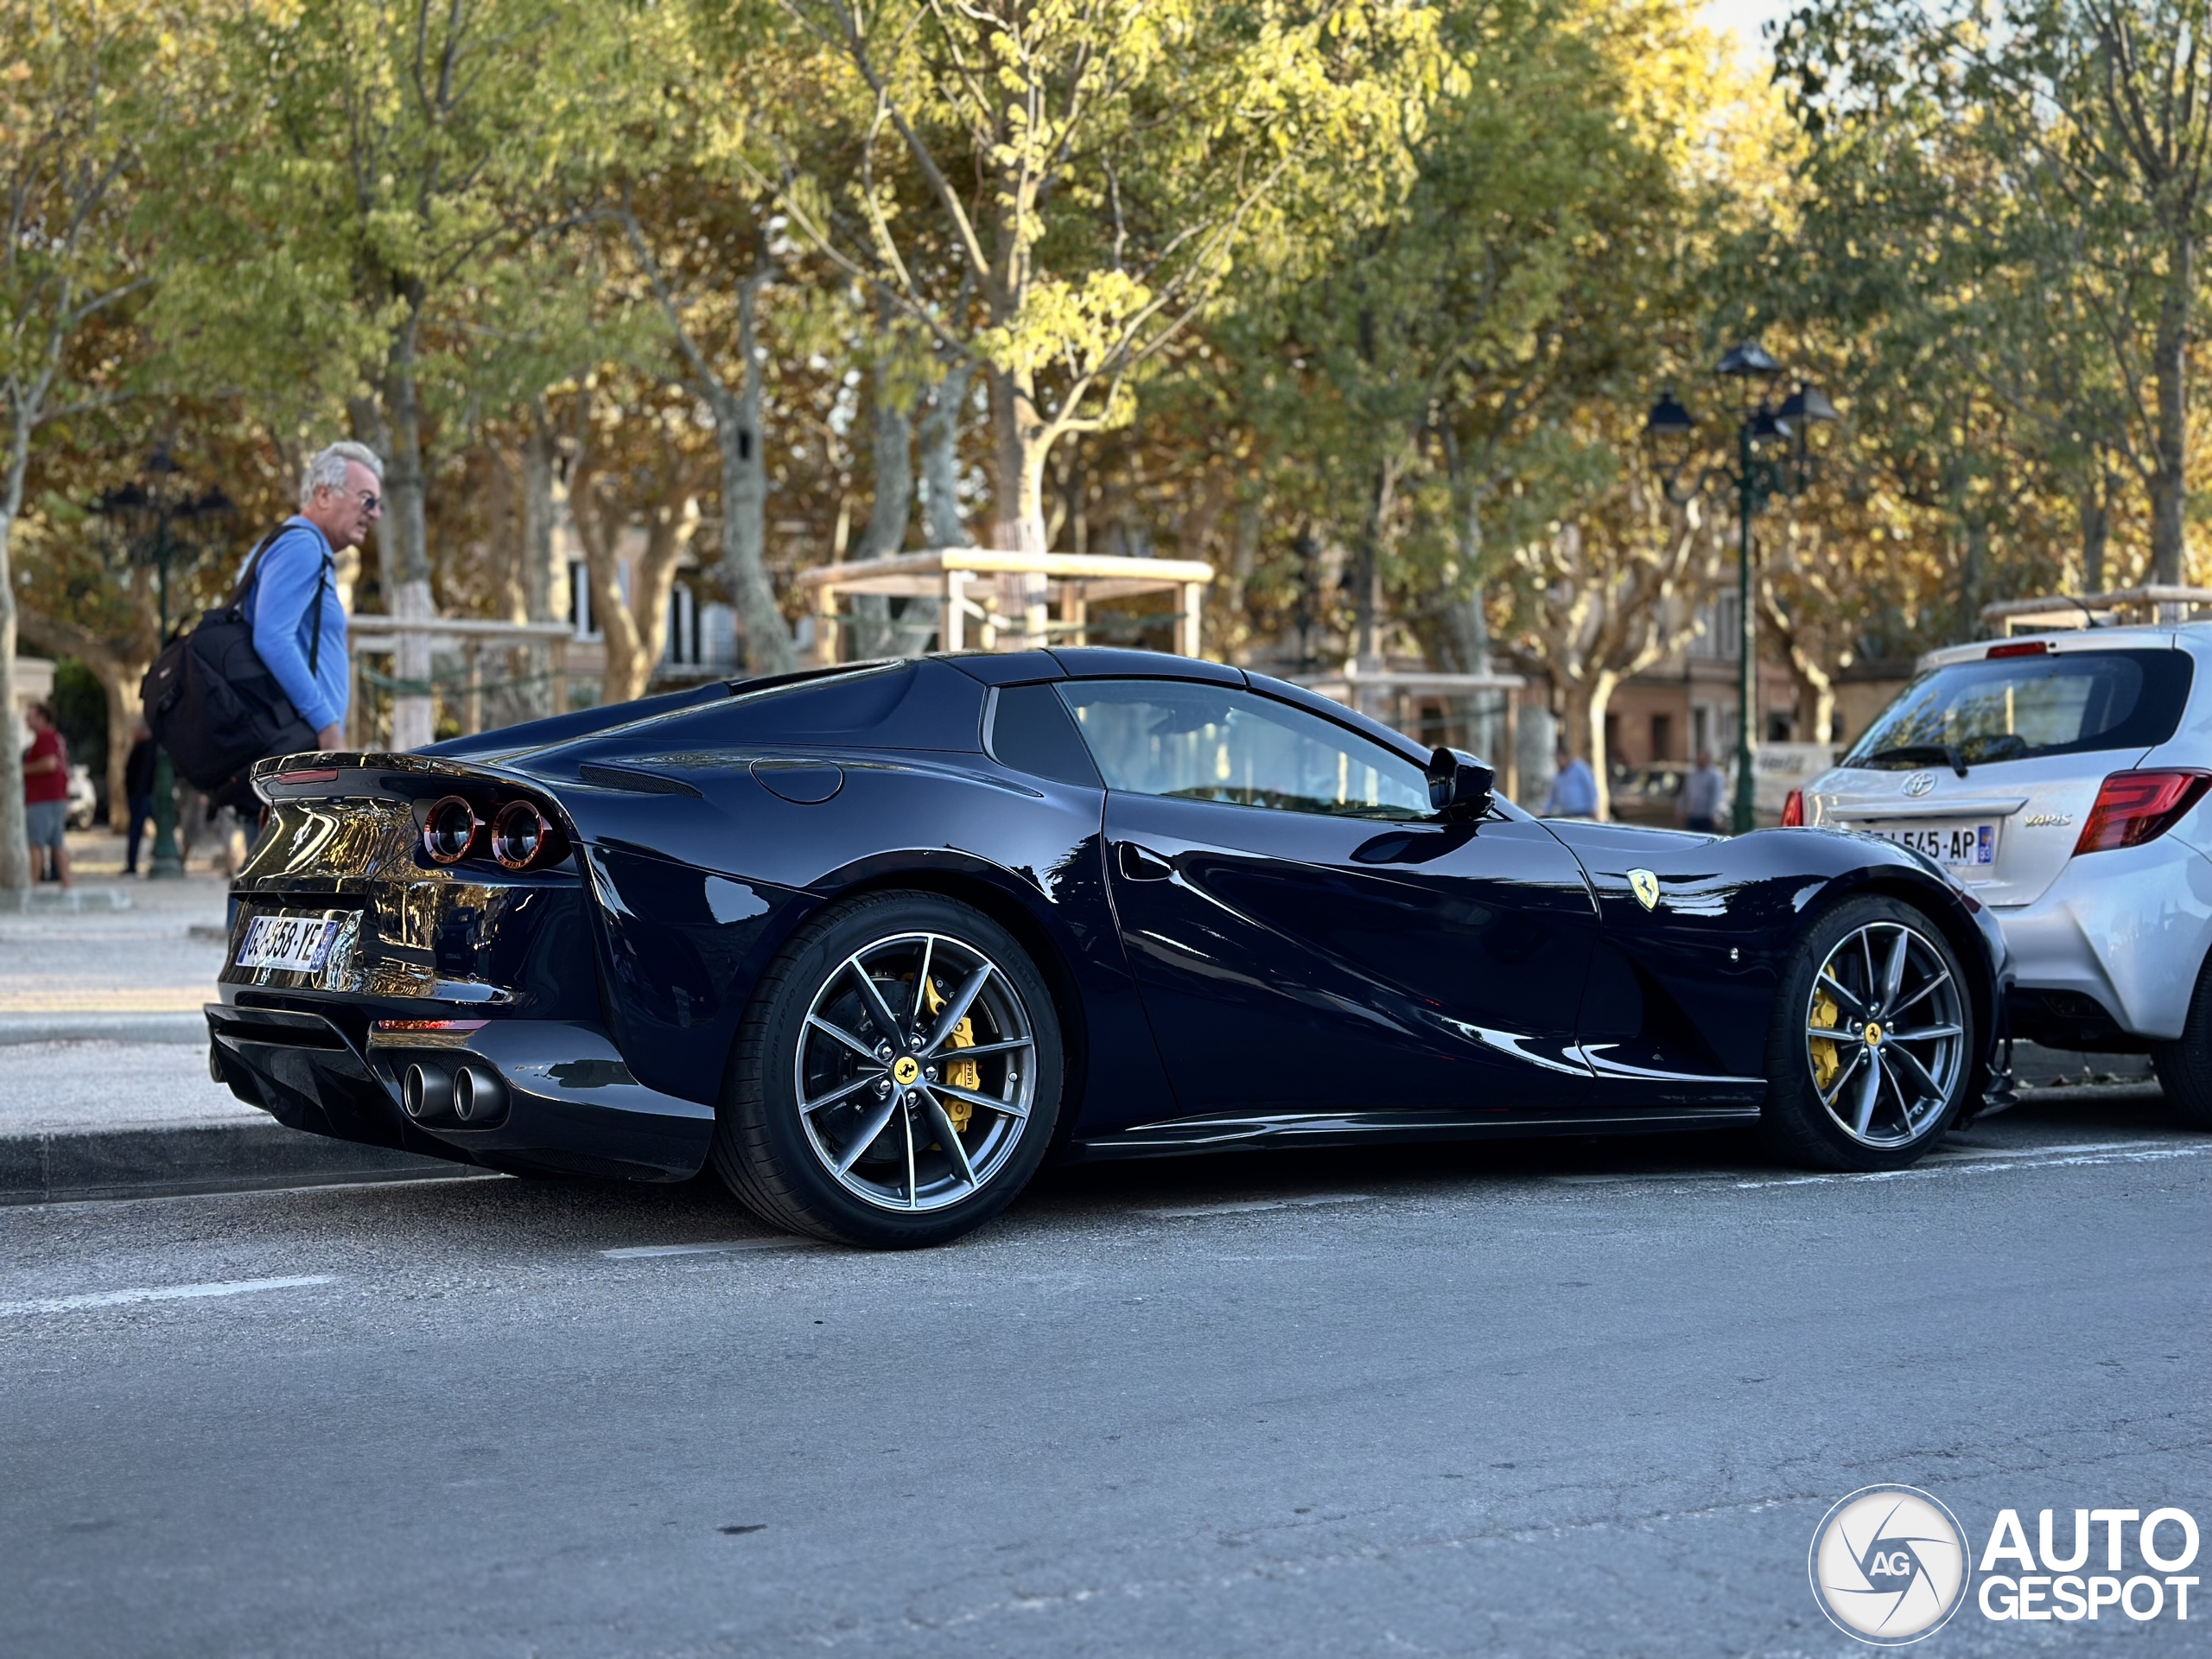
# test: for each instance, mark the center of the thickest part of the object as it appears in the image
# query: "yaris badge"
(1645, 886)
(1888, 1565)
(1919, 783)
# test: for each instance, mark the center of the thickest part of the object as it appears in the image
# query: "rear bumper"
(565, 1101)
(2127, 929)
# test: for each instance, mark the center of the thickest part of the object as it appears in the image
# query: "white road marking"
(2155, 1154)
(1968, 1154)
(642, 1252)
(159, 1293)
(1250, 1206)
(1953, 1162)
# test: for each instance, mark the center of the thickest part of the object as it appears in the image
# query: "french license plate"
(1960, 846)
(299, 943)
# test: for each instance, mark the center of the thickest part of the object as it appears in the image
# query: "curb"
(70, 1165)
(104, 1028)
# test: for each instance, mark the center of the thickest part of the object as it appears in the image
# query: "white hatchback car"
(2062, 780)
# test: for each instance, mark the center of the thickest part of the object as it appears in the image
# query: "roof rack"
(2155, 603)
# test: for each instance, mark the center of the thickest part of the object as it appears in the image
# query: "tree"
(636, 461)
(1056, 192)
(85, 87)
(2093, 120)
(382, 157)
(1615, 589)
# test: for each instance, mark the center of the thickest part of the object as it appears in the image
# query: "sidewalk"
(105, 1089)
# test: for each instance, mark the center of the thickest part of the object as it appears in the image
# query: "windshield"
(2019, 707)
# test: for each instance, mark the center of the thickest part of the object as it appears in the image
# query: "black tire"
(778, 1160)
(2184, 1066)
(1894, 1131)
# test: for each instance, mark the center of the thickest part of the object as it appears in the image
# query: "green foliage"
(80, 712)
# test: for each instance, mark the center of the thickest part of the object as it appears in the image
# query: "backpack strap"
(246, 578)
(253, 566)
(314, 627)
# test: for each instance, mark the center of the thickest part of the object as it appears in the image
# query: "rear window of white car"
(2020, 707)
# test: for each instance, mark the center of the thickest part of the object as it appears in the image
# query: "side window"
(1213, 743)
(1032, 733)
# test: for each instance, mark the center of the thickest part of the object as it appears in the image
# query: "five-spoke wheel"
(896, 1078)
(1871, 1048)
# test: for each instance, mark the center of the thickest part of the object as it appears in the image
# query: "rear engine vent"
(641, 783)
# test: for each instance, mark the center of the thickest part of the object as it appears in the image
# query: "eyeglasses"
(370, 501)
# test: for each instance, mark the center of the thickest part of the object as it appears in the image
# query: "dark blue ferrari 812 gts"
(878, 940)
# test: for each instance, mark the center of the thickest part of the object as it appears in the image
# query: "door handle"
(1141, 863)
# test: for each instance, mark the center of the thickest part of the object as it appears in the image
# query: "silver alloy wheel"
(1884, 1034)
(915, 1072)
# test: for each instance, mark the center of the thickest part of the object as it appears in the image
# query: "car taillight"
(2134, 807)
(522, 836)
(1793, 810)
(450, 830)
(2026, 648)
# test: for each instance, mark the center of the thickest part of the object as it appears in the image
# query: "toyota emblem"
(1919, 783)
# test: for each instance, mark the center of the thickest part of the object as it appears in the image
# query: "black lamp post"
(146, 512)
(1772, 458)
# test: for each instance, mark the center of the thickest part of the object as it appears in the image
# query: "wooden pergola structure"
(993, 600)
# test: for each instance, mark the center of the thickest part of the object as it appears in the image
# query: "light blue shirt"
(1574, 793)
(280, 607)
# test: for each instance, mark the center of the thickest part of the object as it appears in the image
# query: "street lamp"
(1773, 457)
(145, 512)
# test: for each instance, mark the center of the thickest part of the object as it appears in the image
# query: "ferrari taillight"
(1793, 810)
(2134, 807)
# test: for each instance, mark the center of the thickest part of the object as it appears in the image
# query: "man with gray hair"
(299, 626)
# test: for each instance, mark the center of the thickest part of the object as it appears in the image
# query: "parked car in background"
(84, 799)
(1651, 794)
(2062, 780)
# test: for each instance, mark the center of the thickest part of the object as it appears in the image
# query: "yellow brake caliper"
(962, 1074)
(1827, 1061)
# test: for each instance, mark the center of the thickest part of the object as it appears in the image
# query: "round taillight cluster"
(519, 836)
(450, 830)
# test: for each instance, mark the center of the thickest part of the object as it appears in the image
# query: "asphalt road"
(1544, 1398)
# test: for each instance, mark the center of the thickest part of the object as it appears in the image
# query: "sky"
(1744, 18)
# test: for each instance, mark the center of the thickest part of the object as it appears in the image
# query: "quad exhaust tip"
(426, 1094)
(473, 1095)
(478, 1097)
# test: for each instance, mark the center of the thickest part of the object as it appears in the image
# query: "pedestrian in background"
(137, 792)
(1703, 790)
(1574, 789)
(299, 625)
(46, 798)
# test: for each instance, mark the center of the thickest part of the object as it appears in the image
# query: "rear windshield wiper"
(1911, 753)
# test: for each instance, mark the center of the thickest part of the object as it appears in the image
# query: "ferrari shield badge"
(1645, 886)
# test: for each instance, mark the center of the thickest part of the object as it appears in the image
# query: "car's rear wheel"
(1871, 1049)
(897, 1078)
(2185, 1068)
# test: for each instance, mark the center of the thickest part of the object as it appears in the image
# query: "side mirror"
(1461, 789)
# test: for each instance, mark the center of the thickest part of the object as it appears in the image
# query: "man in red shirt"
(46, 792)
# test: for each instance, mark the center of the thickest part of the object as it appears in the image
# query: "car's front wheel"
(896, 1079)
(1871, 1049)
(2186, 1067)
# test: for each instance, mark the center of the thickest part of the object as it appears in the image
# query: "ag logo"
(1919, 783)
(1888, 1565)
(1645, 886)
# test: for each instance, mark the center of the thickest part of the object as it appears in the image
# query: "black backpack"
(212, 702)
